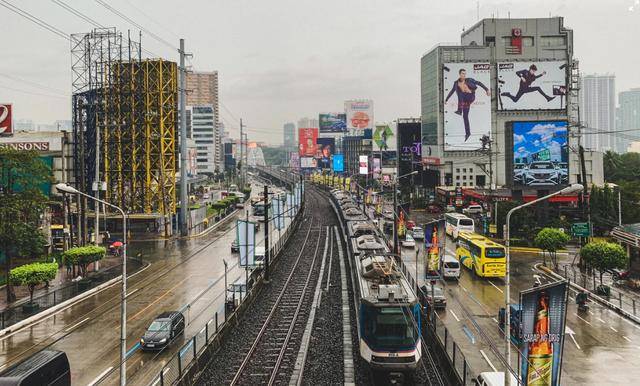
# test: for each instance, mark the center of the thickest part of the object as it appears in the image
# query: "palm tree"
(611, 163)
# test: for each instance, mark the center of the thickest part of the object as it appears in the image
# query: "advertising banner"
(543, 312)
(326, 148)
(432, 248)
(6, 118)
(359, 114)
(540, 153)
(294, 160)
(377, 168)
(307, 142)
(290, 206)
(467, 104)
(363, 164)
(333, 122)
(277, 207)
(308, 162)
(338, 163)
(532, 85)
(246, 237)
(384, 138)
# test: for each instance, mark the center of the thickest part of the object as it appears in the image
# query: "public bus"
(456, 223)
(481, 255)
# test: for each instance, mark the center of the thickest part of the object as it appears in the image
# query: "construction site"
(124, 113)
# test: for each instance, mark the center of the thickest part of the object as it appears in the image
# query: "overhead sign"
(6, 118)
(359, 114)
(467, 104)
(532, 85)
(384, 137)
(580, 229)
(338, 163)
(332, 122)
(307, 142)
(363, 164)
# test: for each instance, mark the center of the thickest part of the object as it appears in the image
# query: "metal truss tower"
(131, 103)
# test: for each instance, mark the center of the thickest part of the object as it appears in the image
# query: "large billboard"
(246, 238)
(532, 85)
(307, 140)
(467, 105)
(6, 121)
(543, 329)
(359, 114)
(363, 164)
(384, 137)
(333, 122)
(326, 148)
(540, 153)
(308, 162)
(338, 163)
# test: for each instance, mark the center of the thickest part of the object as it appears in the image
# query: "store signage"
(39, 146)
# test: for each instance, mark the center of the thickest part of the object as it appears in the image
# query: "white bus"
(457, 222)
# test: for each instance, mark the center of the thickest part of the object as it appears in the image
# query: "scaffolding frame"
(132, 103)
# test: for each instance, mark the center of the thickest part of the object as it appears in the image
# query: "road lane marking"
(488, 361)
(571, 333)
(584, 320)
(132, 350)
(99, 377)
(591, 312)
(495, 286)
(495, 320)
(158, 299)
(454, 314)
(613, 329)
(469, 334)
(601, 320)
(133, 292)
(464, 289)
(76, 325)
(626, 338)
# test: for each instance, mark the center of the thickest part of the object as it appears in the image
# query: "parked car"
(163, 330)
(472, 209)
(235, 247)
(434, 209)
(618, 274)
(439, 300)
(408, 242)
(450, 267)
(542, 173)
(450, 208)
(417, 233)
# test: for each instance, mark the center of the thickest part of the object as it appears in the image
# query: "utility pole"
(395, 218)
(184, 202)
(241, 155)
(266, 233)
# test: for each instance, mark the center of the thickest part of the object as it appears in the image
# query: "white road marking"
(133, 292)
(584, 320)
(626, 338)
(613, 329)
(495, 286)
(454, 314)
(591, 312)
(464, 288)
(571, 333)
(76, 325)
(601, 320)
(102, 374)
(533, 269)
(495, 320)
(488, 361)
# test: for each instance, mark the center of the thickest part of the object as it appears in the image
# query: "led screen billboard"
(338, 163)
(532, 85)
(384, 137)
(467, 105)
(540, 153)
(333, 122)
(359, 114)
(326, 148)
(307, 140)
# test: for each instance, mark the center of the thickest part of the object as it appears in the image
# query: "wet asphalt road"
(89, 331)
(600, 348)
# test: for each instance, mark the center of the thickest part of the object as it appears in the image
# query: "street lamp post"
(62, 187)
(573, 188)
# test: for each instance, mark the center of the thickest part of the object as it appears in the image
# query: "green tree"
(551, 240)
(33, 274)
(604, 256)
(21, 204)
(83, 256)
(521, 223)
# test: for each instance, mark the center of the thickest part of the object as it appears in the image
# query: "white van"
(495, 378)
(450, 267)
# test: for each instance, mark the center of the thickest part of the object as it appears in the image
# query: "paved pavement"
(89, 331)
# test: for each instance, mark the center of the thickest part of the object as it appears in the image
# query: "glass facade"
(429, 97)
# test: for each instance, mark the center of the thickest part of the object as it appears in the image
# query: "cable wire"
(34, 19)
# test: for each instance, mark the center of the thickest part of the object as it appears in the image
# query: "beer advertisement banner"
(543, 328)
(333, 122)
(432, 249)
(532, 85)
(359, 114)
(307, 142)
(384, 137)
(246, 237)
(467, 105)
(326, 148)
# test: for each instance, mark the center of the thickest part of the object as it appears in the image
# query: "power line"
(35, 93)
(34, 19)
(77, 13)
(34, 84)
(143, 13)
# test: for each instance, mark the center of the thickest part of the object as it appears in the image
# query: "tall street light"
(571, 189)
(64, 188)
(395, 209)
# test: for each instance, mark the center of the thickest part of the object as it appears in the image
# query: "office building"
(598, 111)
(289, 141)
(201, 128)
(484, 129)
(202, 90)
(629, 119)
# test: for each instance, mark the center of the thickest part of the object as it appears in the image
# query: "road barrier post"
(225, 318)
(620, 299)
(634, 305)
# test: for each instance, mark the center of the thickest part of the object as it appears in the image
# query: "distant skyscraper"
(629, 117)
(308, 122)
(289, 140)
(200, 127)
(598, 111)
(202, 90)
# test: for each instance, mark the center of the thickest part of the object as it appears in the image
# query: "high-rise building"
(629, 118)
(289, 137)
(202, 90)
(308, 122)
(598, 111)
(201, 128)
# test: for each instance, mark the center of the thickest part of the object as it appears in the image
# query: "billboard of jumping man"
(467, 105)
(532, 85)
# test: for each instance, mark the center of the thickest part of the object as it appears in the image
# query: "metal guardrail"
(15, 313)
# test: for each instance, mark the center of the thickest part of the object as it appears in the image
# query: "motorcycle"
(581, 301)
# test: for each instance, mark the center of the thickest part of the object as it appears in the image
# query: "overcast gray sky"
(280, 60)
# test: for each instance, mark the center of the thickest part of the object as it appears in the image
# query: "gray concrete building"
(499, 110)
(629, 118)
(598, 111)
(289, 140)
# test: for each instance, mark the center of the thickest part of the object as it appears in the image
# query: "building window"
(464, 177)
(470, 170)
(457, 184)
(464, 184)
(457, 170)
(457, 177)
(464, 170)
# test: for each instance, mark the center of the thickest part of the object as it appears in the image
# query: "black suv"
(163, 330)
